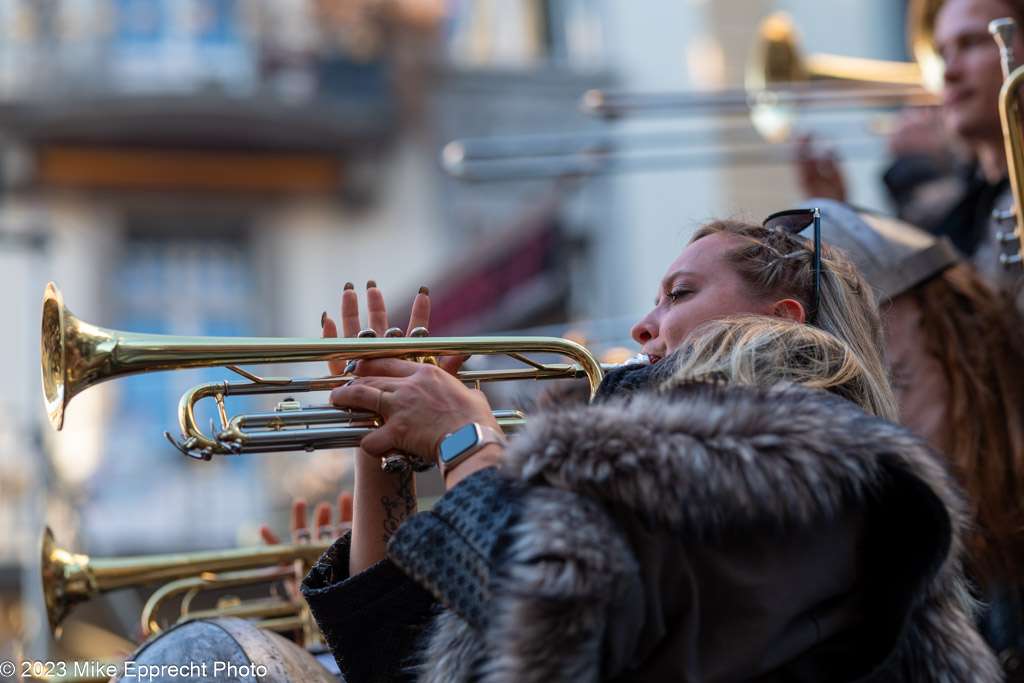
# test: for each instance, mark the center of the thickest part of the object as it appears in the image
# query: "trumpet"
(76, 355)
(70, 579)
(1013, 136)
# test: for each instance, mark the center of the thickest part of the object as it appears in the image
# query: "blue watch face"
(458, 442)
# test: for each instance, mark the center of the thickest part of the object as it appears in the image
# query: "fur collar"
(751, 453)
(695, 460)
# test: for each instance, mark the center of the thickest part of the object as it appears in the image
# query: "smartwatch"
(464, 442)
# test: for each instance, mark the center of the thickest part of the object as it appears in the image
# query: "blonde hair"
(773, 263)
(763, 350)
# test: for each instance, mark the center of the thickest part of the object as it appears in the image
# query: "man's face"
(973, 72)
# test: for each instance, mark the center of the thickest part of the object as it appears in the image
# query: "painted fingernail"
(370, 284)
(424, 290)
(349, 285)
(323, 319)
(350, 368)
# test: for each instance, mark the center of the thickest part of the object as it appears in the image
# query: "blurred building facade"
(223, 167)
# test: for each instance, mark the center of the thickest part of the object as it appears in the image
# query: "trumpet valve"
(1003, 215)
(1004, 237)
(289, 405)
(423, 332)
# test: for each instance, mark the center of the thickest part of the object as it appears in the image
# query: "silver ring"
(394, 463)
(379, 397)
(325, 532)
(302, 535)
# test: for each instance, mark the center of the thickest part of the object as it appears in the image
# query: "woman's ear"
(790, 309)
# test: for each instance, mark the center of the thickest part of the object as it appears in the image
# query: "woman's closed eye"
(677, 294)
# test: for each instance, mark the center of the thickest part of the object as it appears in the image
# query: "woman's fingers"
(420, 315)
(300, 532)
(419, 405)
(358, 394)
(388, 367)
(377, 316)
(451, 364)
(349, 311)
(322, 521)
(330, 331)
(269, 536)
(320, 525)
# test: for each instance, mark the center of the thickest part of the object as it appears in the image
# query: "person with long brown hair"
(957, 352)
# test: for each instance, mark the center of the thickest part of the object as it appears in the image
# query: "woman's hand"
(377, 320)
(383, 500)
(420, 405)
(300, 529)
(377, 317)
(321, 524)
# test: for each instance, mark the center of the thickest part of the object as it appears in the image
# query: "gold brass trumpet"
(70, 579)
(1013, 136)
(76, 355)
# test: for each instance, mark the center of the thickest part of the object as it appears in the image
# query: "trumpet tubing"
(274, 614)
(70, 579)
(1010, 114)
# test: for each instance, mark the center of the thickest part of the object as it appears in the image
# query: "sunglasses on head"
(793, 222)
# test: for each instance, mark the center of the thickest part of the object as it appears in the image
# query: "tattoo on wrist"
(404, 504)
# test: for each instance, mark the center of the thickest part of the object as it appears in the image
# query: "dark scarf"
(966, 223)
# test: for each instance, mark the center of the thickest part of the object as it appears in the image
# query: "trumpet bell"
(51, 353)
(57, 566)
(74, 355)
(69, 578)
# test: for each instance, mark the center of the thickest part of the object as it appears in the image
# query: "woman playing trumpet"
(681, 531)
